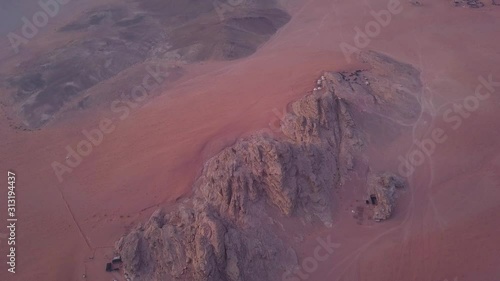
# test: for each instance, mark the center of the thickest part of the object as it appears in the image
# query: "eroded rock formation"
(219, 235)
(226, 230)
(468, 3)
(384, 187)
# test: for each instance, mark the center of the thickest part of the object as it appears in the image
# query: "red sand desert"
(445, 224)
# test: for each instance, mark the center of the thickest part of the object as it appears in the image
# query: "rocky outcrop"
(384, 188)
(219, 234)
(468, 3)
(227, 230)
(190, 244)
(295, 174)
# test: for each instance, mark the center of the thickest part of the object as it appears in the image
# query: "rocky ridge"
(226, 230)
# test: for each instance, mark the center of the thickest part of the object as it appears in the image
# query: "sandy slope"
(444, 226)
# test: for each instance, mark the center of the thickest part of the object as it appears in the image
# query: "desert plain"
(445, 222)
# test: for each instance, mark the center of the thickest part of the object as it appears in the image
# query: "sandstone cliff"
(225, 232)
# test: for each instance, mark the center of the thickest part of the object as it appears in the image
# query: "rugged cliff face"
(226, 232)
(220, 234)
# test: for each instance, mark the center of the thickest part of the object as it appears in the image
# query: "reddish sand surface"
(445, 225)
